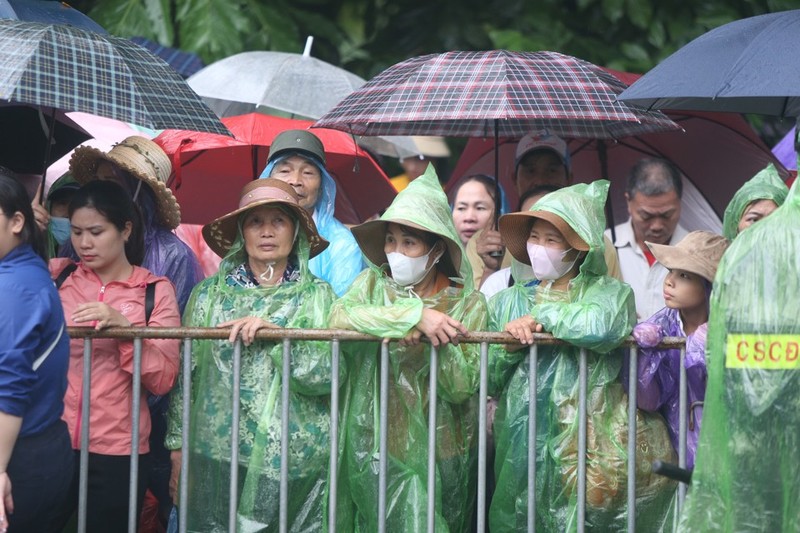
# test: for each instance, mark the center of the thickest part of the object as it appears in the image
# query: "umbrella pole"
(496, 172)
(47, 148)
(602, 154)
(497, 194)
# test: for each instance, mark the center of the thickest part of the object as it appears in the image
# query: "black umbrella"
(746, 66)
(30, 140)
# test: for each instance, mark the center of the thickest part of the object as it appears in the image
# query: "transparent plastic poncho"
(301, 304)
(747, 469)
(340, 262)
(375, 304)
(597, 312)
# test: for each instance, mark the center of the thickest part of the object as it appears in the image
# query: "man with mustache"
(653, 194)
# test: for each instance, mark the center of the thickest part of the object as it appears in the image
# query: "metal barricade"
(336, 337)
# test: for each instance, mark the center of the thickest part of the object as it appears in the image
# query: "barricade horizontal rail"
(336, 337)
(322, 335)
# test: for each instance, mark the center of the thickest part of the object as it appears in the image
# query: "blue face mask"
(60, 229)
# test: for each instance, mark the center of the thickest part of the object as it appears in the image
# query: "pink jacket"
(110, 415)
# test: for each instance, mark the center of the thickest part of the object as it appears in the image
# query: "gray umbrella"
(297, 84)
(746, 66)
(284, 84)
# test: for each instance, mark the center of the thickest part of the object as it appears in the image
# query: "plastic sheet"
(746, 472)
(596, 313)
(301, 304)
(377, 305)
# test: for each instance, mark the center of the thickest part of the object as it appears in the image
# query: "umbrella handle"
(47, 147)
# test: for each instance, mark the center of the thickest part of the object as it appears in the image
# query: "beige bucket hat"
(699, 253)
(144, 160)
(515, 228)
(221, 233)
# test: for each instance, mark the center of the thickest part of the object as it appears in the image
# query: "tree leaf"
(213, 29)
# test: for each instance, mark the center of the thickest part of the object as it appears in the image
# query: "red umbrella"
(210, 170)
(717, 152)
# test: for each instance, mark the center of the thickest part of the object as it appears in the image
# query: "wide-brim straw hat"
(220, 234)
(371, 237)
(515, 228)
(699, 253)
(144, 160)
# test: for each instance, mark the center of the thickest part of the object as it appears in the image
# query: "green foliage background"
(366, 36)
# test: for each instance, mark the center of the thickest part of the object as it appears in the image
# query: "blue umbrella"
(184, 63)
(747, 66)
(48, 12)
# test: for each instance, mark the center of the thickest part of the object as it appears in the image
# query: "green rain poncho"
(596, 313)
(375, 304)
(747, 473)
(766, 185)
(293, 304)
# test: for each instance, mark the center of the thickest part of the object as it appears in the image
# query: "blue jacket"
(34, 345)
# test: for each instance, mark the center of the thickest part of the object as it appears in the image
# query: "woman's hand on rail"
(101, 315)
(523, 329)
(438, 327)
(248, 326)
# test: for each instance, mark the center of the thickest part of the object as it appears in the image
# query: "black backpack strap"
(64, 274)
(149, 301)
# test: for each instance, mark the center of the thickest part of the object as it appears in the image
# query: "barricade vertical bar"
(183, 511)
(682, 407)
(533, 362)
(433, 375)
(135, 404)
(86, 399)
(285, 379)
(384, 438)
(233, 495)
(582, 386)
(334, 471)
(483, 394)
(633, 381)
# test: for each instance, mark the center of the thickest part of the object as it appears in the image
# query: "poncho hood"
(766, 185)
(423, 205)
(581, 206)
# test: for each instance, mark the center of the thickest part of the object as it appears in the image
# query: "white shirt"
(496, 282)
(647, 282)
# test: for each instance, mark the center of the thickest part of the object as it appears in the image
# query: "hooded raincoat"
(766, 185)
(596, 313)
(292, 304)
(659, 371)
(746, 472)
(375, 304)
(339, 263)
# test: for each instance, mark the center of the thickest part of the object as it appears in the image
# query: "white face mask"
(408, 271)
(548, 263)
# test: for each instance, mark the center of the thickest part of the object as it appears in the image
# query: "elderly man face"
(654, 218)
(304, 176)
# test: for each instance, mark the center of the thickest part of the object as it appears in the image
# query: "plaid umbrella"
(497, 92)
(70, 69)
